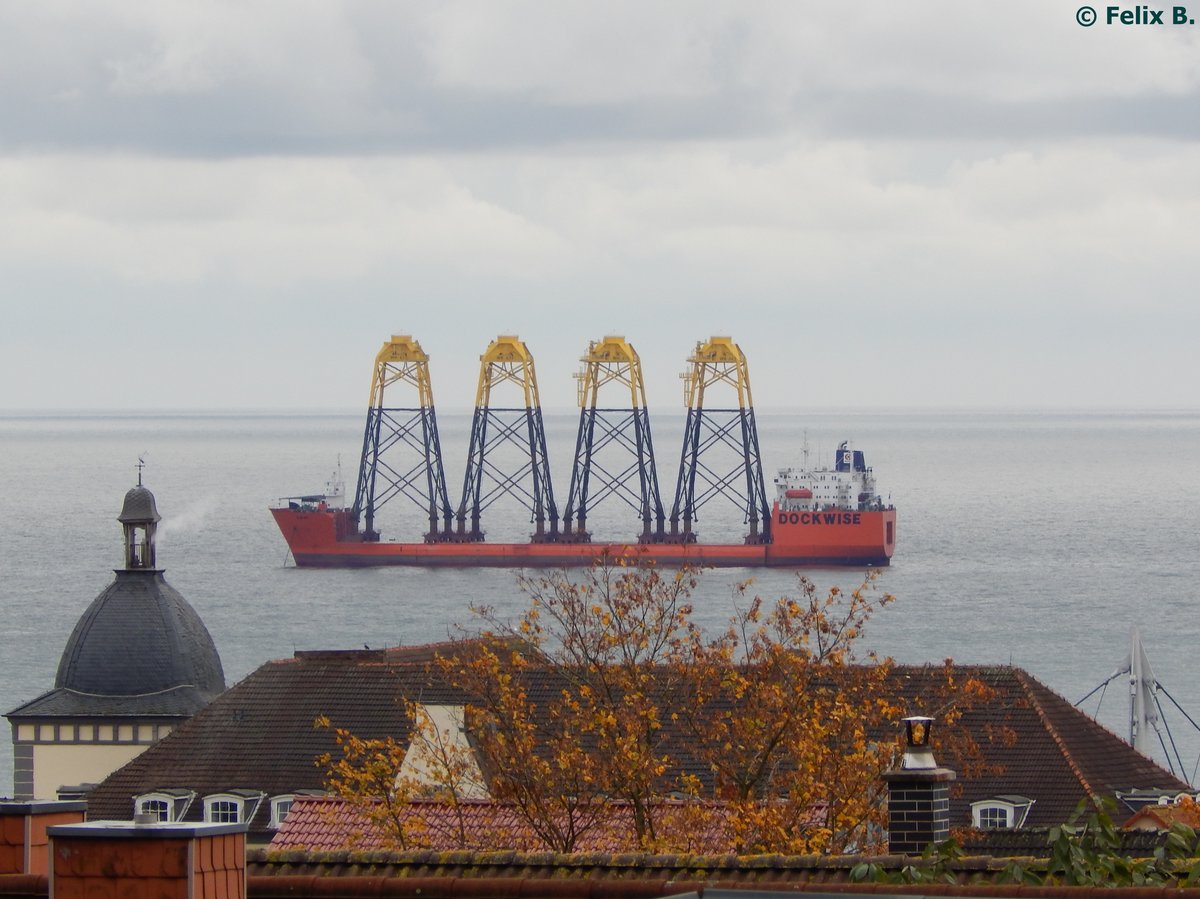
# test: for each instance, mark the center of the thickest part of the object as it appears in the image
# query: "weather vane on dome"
(141, 463)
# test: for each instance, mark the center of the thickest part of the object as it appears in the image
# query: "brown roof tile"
(259, 734)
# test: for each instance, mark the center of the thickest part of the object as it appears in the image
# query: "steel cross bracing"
(389, 429)
(507, 361)
(705, 431)
(719, 363)
(624, 433)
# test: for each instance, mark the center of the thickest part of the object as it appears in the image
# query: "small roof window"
(1001, 812)
(168, 805)
(233, 807)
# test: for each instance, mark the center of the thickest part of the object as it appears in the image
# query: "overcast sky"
(887, 203)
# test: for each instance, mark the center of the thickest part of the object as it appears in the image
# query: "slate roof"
(182, 702)
(259, 735)
(139, 506)
(139, 648)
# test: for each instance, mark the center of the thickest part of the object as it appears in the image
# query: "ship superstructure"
(848, 485)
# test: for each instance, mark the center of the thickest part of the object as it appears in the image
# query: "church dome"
(138, 637)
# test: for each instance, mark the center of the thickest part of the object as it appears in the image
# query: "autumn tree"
(604, 650)
(604, 702)
(772, 718)
(789, 721)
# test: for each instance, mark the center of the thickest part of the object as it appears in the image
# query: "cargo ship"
(819, 516)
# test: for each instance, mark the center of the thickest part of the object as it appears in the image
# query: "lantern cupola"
(139, 517)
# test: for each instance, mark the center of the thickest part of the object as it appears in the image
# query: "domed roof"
(138, 506)
(138, 637)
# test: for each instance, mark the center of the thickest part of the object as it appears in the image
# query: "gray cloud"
(887, 204)
(273, 78)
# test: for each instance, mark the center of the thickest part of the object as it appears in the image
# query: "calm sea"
(1034, 539)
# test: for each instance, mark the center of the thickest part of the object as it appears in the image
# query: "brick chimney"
(134, 859)
(918, 794)
(24, 844)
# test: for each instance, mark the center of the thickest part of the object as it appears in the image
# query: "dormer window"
(1000, 812)
(166, 805)
(223, 809)
(280, 806)
(234, 807)
(993, 817)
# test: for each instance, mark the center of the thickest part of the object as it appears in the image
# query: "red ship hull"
(320, 538)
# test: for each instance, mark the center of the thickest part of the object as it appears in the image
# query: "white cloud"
(774, 220)
(272, 222)
(577, 51)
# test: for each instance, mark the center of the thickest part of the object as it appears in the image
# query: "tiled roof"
(325, 824)
(430, 874)
(260, 734)
(1161, 817)
(1048, 750)
(1035, 842)
(629, 875)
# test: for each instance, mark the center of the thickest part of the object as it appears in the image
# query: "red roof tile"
(1161, 817)
(325, 823)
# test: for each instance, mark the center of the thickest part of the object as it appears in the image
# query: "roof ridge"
(1027, 684)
